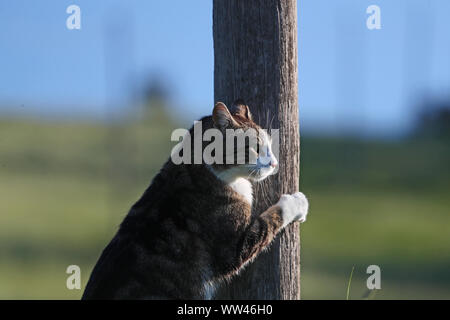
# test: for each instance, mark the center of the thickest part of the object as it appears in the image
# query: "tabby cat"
(192, 227)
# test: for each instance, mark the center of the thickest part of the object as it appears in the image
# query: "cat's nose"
(273, 163)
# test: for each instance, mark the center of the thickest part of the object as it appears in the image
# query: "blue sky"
(351, 78)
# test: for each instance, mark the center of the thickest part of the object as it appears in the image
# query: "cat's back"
(162, 246)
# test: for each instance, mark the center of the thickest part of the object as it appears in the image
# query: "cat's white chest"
(244, 188)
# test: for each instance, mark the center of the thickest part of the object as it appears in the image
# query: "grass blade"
(350, 282)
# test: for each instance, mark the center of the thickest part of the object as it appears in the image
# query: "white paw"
(294, 207)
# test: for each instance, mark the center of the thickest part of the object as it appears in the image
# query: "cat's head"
(251, 150)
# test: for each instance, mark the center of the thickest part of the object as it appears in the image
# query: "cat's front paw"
(294, 207)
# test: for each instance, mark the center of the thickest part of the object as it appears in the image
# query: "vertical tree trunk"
(255, 58)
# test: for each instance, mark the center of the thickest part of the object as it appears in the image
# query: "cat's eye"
(262, 151)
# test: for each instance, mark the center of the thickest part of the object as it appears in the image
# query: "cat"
(192, 228)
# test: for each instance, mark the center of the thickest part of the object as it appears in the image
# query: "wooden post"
(255, 58)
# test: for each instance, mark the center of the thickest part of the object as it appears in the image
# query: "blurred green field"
(65, 187)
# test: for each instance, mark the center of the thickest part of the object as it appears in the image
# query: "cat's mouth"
(261, 172)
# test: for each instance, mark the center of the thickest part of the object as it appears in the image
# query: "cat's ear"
(222, 117)
(241, 109)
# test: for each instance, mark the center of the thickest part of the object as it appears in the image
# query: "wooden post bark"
(255, 58)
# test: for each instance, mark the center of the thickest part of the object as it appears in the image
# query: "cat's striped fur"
(190, 229)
